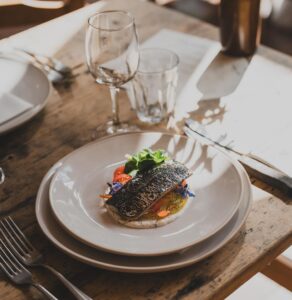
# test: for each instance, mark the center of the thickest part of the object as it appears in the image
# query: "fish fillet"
(146, 188)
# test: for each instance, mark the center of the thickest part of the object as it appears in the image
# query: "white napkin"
(12, 106)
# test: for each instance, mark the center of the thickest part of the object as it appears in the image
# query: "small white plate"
(22, 80)
(83, 176)
(119, 263)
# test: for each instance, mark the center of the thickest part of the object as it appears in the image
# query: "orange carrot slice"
(163, 213)
(184, 183)
(105, 196)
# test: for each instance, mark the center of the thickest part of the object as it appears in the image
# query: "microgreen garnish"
(144, 160)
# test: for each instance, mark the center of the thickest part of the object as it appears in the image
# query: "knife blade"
(261, 171)
(222, 140)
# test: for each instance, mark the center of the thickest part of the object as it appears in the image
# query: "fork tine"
(9, 246)
(20, 233)
(8, 261)
(7, 223)
(10, 239)
(17, 263)
(5, 267)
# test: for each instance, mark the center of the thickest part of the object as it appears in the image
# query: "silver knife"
(256, 167)
(222, 141)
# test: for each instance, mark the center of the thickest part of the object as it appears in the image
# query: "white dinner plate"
(84, 173)
(105, 260)
(25, 83)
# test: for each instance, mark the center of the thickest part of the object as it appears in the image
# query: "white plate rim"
(113, 267)
(29, 114)
(178, 248)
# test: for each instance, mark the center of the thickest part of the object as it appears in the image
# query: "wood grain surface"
(67, 123)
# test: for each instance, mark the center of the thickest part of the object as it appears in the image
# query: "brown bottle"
(240, 26)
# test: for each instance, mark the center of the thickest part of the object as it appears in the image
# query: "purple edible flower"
(115, 187)
(184, 191)
(190, 193)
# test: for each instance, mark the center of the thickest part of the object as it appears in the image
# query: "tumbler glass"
(154, 85)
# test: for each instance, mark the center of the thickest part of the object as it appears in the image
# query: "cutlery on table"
(222, 141)
(254, 165)
(58, 73)
(29, 256)
(56, 77)
(51, 62)
(17, 273)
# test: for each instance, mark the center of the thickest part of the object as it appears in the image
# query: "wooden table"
(27, 153)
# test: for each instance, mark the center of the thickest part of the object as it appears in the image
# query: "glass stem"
(115, 105)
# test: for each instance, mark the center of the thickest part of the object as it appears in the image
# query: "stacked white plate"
(69, 212)
(24, 91)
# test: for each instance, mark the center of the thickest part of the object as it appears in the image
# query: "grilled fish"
(146, 188)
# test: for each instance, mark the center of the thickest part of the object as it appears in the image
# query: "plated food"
(69, 193)
(83, 175)
(149, 190)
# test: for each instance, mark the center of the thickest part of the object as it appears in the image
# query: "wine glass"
(2, 176)
(112, 56)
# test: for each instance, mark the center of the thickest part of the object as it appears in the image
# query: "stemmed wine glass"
(112, 56)
(2, 176)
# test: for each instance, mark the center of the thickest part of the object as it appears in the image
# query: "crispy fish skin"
(146, 188)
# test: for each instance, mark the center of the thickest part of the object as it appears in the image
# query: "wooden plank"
(67, 123)
(280, 270)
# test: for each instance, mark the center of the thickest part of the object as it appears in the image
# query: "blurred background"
(18, 15)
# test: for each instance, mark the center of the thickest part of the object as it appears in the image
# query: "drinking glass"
(152, 91)
(2, 176)
(112, 57)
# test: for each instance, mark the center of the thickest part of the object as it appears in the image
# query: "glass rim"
(131, 18)
(174, 65)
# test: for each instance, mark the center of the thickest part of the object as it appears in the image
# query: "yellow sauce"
(171, 202)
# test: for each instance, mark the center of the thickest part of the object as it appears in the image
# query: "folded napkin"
(12, 106)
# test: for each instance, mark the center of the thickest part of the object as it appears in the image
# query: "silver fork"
(17, 272)
(30, 256)
(52, 63)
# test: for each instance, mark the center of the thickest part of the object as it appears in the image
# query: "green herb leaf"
(145, 160)
(130, 166)
(146, 164)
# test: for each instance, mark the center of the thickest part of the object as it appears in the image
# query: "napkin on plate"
(12, 106)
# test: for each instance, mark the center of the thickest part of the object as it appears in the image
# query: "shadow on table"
(220, 79)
